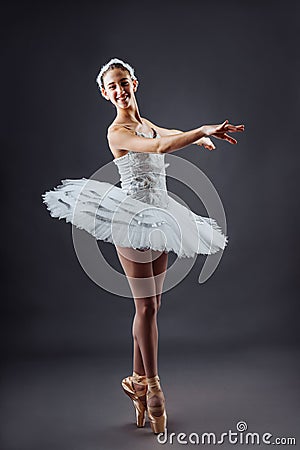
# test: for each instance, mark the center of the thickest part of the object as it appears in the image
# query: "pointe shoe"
(139, 405)
(157, 414)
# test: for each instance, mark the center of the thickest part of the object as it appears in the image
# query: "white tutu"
(141, 214)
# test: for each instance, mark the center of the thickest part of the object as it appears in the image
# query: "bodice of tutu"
(143, 177)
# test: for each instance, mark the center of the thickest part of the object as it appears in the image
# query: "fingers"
(225, 126)
(222, 127)
(220, 132)
(230, 139)
(210, 146)
(230, 127)
(235, 128)
(225, 137)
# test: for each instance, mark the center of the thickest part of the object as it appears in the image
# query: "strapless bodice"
(143, 176)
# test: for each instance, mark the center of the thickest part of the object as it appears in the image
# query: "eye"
(124, 83)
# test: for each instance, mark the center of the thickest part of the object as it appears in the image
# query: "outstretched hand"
(220, 131)
(205, 142)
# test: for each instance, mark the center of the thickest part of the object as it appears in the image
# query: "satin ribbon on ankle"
(139, 379)
(153, 382)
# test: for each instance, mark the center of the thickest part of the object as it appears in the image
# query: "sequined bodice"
(143, 176)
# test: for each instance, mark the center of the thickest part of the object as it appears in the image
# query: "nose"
(120, 90)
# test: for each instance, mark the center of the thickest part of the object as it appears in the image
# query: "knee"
(147, 308)
(158, 301)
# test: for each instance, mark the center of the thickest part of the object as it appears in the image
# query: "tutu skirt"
(109, 214)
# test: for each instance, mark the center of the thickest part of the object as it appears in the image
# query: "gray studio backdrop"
(197, 63)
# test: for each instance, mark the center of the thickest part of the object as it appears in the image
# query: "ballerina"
(138, 147)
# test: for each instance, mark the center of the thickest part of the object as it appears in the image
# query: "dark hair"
(114, 63)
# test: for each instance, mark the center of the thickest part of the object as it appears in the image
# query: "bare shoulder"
(113, 133)
(113, 127)
(118, 130)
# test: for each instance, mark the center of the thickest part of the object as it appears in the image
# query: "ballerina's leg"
(139, 272)
(159, 267)
(138, 268)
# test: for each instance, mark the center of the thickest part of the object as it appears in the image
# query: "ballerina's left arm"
(204, 141)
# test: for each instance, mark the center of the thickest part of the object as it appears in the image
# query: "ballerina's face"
(119, 88)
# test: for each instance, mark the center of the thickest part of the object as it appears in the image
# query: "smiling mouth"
(122, 99)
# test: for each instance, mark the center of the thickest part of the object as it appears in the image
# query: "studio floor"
(76, 403)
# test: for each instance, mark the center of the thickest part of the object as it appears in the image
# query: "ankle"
(139, 379)
(153, 383)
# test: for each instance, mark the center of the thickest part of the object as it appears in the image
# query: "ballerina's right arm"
(121, 138)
